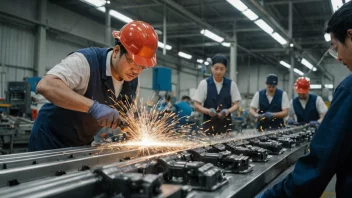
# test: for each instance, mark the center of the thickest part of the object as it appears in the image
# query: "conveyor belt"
(91, 172)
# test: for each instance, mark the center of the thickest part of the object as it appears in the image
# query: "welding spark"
(151, 130)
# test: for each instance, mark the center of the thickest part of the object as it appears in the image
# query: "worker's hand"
(105, 115)
(212, 112)
(314, 123)
(292, 122)
(268, 115)
(223, 113)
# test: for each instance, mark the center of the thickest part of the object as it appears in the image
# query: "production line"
(228, 167)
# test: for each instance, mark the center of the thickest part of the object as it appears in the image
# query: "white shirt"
(285, 103)
(74, 70)
(201, 93)
(319, 104)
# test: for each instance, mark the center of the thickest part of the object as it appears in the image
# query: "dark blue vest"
(56, 127)
(274, 106)
(217, 101)
(310, 113)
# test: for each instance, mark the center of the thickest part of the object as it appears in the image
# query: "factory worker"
(307, 107)
(82, 87)
(331, 148)
(217, 97)
(270, 105)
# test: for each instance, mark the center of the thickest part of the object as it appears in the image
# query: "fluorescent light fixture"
(226, 44)
(298, 71)
(120, 16)
(161, 45)
(211, 35)
(327, 37)
(279, 38)
(329, 86)
(336, 4)
(96, 3)
(200, 61)
(206, 63)
(250, 15)
(292, 45)
(184, 55)
(308, 64)
(238, 5)
(315, 86)
(283, 63)
(264, 26)
(101, 9)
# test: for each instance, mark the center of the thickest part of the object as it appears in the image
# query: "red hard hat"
(141, 42)
(302, 85)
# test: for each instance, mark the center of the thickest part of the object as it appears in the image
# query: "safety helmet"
(302, 85)
(141, 42)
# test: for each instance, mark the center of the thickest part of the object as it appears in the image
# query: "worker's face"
(123, 65)
(218, 71)
(303, 96)
(270, 88)
(343, 52)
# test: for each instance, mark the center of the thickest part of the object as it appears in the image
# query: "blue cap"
(218, 58)
(272, 79)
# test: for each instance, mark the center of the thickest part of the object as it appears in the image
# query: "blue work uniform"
(274, 106)
(310, 113)
(56, 127)
(183, 110)
(330, 154)
(220, 101)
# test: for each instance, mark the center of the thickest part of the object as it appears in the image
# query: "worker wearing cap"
(270, 105)
(82, 88)
(331, 147)
(308, 107)
(217, 97)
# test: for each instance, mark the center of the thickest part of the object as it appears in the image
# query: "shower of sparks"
(154, 131)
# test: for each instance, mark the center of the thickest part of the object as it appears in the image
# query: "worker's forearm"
(200, 108)
(234, 107)
(321, 117)
(281, 114)
(57, 92)
(253, 111)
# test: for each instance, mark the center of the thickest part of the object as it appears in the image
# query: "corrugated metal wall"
(17, 46)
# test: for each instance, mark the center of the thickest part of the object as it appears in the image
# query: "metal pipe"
(164, 29)
(107, 26)
(233, 57)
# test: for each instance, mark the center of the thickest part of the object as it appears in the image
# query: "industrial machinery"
(18, 94)
(227, 167)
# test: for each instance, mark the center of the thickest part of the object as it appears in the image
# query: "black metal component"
(197, 174)
(130, 184)
(273, 147)
(60, 172)
(255, 153)
(84, 167)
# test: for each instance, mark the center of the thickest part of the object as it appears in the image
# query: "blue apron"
(310, 113)
(274, 106)
(223, 100)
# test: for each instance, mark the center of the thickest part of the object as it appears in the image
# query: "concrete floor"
(328, 193)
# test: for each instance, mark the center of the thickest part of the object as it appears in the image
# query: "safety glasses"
(333, 51)
(130, 61)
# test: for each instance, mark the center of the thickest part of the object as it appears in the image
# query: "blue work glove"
(314, 123)
(212, 112)
(105, 115)
(292, 122)
(223, 113)
(268, 115)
